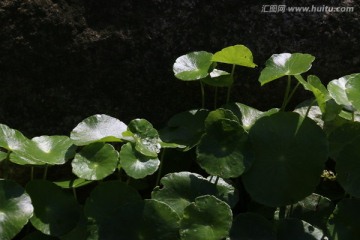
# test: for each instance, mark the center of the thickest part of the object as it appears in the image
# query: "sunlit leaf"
(219, 78)
(237, 54)
(298, 229)
(353, 90)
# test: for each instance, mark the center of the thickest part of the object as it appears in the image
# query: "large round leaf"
(296, 229)
(353, 90)
(207, 218)
(348, 168)
(221, 149)
(237, 54)
(98, 128)
(285, 64)
(193, 66)
(180, 189)
(11, 139)
(52, 150)
(55, 212)
(344, 223)
(15, 209)
(288, 153)
(135, 164)
(147, 140)
(185, 128)
(95, 161)
(247, 226)
(337, 90)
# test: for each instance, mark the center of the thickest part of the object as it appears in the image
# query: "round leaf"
(219, 114)
(52, 150)
(74, 183)
(55, 212)
(207, 218)
(285, 64)
(135, 164)
(353, 90)
(251, 226)
(98, 128)
(337, 90)
(147, 140)
(180, 189)
(348, 168)
(288, 153)
(11, 139)
(237, 54)
(185, 128)
(344, 223)
(15, 209)
(298, 230)
(193, 66)
(220, 151)
(219, 78)
(95, 161)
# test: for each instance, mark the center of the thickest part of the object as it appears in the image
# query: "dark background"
(64, 60)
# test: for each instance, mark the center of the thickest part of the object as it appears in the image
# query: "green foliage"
(240, 173)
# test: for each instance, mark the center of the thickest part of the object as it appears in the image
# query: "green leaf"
(314, 209)
(285, 64)
(248, 115)
(55, 212)
(319, 90)
(95, 161)
(344, 223)
(74, 183)
(219, 114)
(51, 150)
(193, 66)
(221, 149)
(348, 167)
(298, 230)
(353, 90)
(147, 140)
(3, 156)
(337, 90)
(251, 226)
(185, 128)
(98, 128)
(15, 209)
(288, 156)
(11, 139)
(219, 78)
(135, 164)
(315, 113)
(180, 189)
(207, 218)
(343, 136)
(237, 54)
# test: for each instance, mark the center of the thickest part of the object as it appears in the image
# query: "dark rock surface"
(64, 60)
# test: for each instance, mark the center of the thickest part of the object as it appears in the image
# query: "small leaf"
(74, 183)
(219, 78)
(185, 128)
(15, 209)
(219, 114)
(238, 55)
(285, 64)
(288, 156)
(193, 66)
(147, 140)
(135, 164)
(344, 223)
(353, 90)
(221, 149)
(251, 226)
(180, 189)
(95, 161)
(98, 128)
(319, 90)
(207, 218)
(55, 212)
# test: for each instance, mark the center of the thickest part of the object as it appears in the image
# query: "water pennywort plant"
(231, 173)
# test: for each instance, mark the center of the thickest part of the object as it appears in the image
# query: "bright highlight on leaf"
(238, 55)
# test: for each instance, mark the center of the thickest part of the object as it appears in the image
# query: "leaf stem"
(286, 96)
(160, 167)
(45, 172)
(215, 97)
(32, 173)
(292, 93)
(229, 88)
(309, 108)
(202, 94)
(74, 193)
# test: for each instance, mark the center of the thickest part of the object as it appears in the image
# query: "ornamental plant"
(229, 172)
